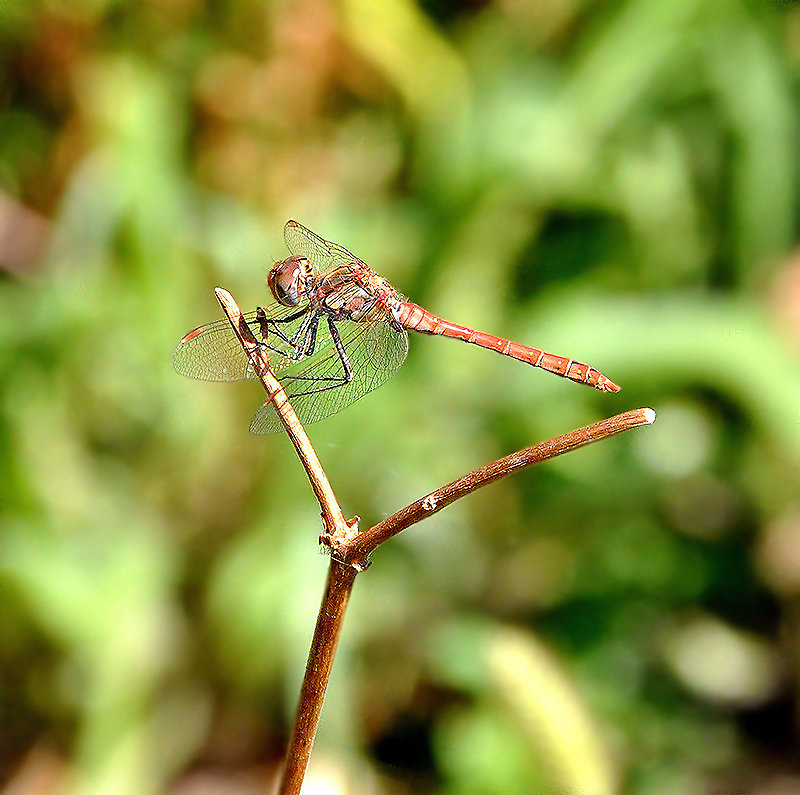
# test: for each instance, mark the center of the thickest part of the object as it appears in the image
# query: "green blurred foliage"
(616, 181)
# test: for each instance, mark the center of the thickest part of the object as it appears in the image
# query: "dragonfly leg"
(300, 344)
(330, 381)
(305, 340)
(269, 325)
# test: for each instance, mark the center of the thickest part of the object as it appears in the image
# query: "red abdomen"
(414, 318)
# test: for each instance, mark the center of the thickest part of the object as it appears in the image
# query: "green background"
(612, 181)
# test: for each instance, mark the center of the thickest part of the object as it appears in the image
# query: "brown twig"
(357, 550)
(318, 671)
(350, 551)
(337, 528)
(340, 576)
(355, 553)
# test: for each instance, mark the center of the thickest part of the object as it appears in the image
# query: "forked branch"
(353, 556)
(350, 549)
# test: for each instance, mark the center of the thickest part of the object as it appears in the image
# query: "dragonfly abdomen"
(415, 318)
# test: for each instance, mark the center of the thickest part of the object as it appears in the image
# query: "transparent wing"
(321, 253)
(213, 353)
(375, 352)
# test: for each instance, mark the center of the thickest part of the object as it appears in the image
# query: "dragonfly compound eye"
(287, 280)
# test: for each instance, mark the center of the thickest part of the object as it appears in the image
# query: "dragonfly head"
(289, 280)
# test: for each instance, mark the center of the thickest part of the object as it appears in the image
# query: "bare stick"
(337, 528)
(357, 550)
(355, 553)
(318, 670)
(350, 551)
(340, 576)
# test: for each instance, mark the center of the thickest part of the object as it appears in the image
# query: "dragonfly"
(336, 331)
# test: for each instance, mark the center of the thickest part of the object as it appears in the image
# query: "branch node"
(336, 535)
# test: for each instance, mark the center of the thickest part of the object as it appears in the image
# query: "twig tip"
(650, 416)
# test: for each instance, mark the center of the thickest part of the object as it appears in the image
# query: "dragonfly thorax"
(290, 280)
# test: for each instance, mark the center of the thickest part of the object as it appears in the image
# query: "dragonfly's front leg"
(300, 344)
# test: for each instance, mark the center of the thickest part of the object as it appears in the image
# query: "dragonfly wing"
(375, 352)
(213, 353)
(321, 253)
